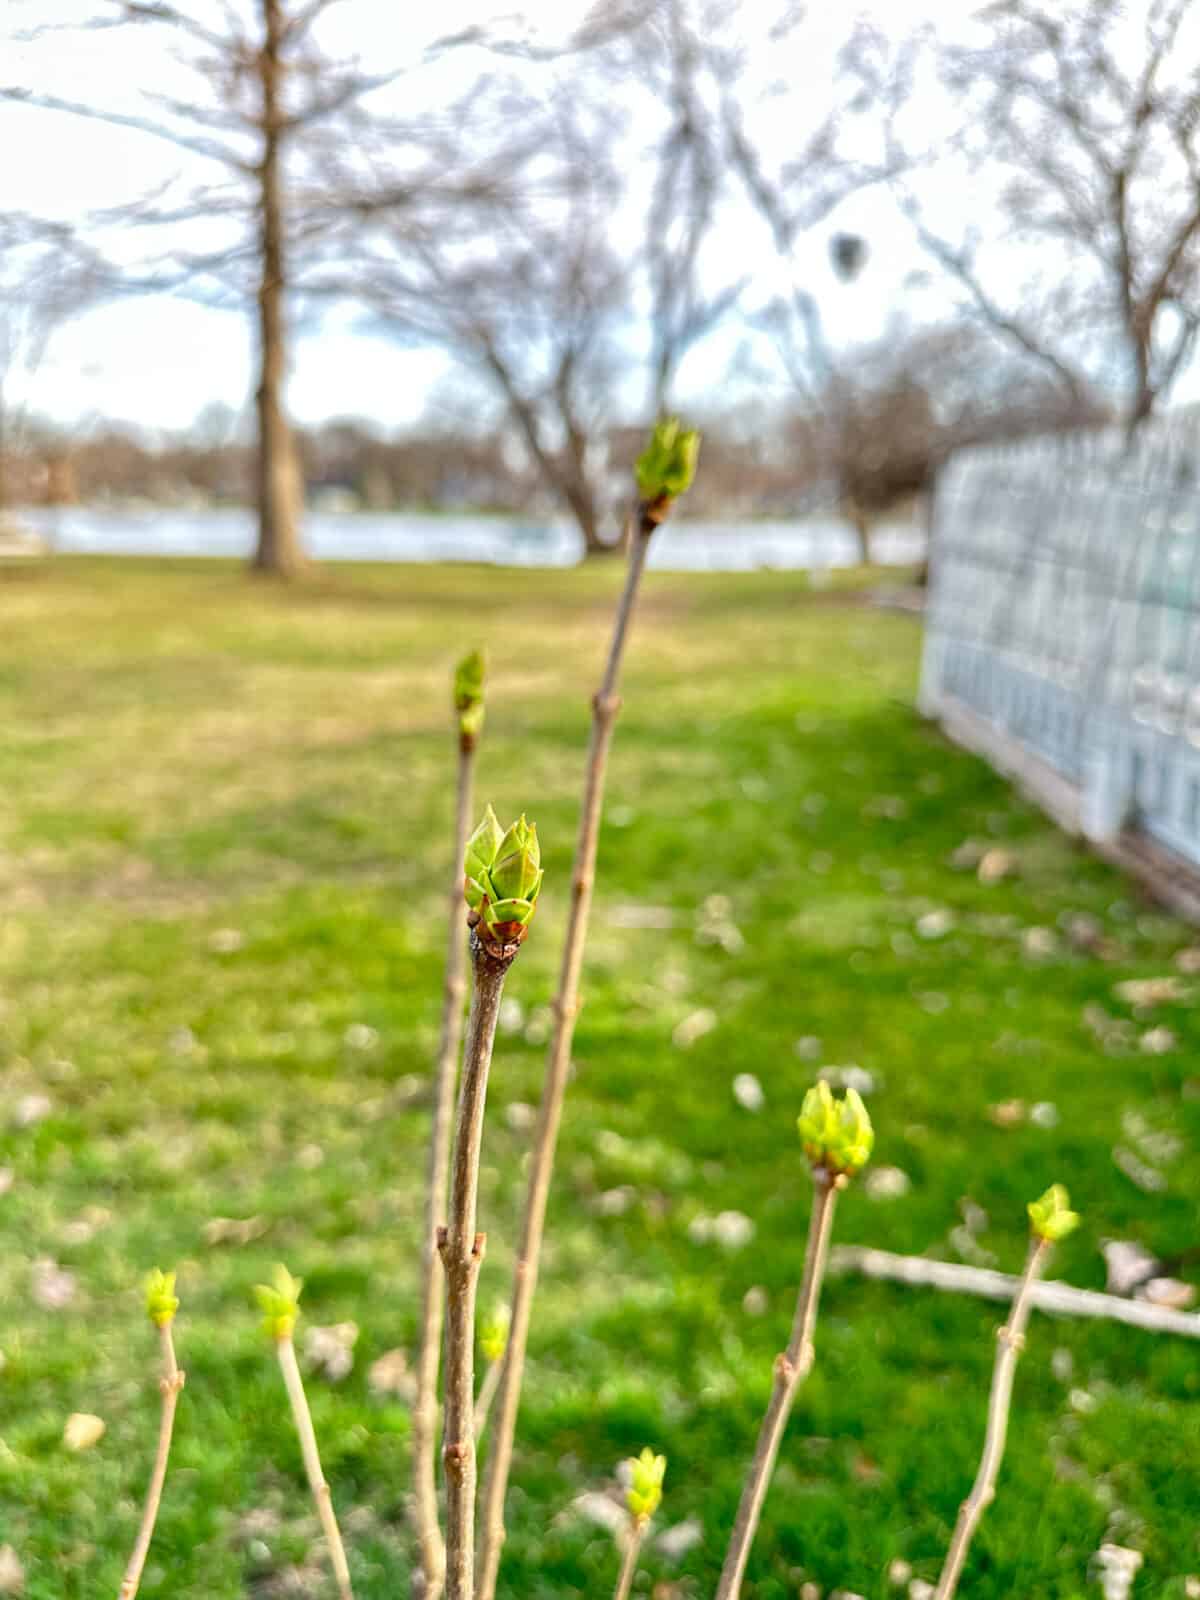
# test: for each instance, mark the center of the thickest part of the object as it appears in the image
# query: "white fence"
(1063, 630)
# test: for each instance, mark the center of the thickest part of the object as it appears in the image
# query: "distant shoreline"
(814, 542)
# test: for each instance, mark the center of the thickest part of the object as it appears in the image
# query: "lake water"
(680, 546)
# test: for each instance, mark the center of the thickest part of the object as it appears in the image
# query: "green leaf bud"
(666, 467)
(818, 1120)
(499, 914)
(517, 870)
(644, 1494)
(481, 851)
(837, 1134)
(468, 694)
(855, 1135)
(503, 877)
(279, 1301)
(161, 1303)
(493, 1333)
(521, 836)
(1051, 1216)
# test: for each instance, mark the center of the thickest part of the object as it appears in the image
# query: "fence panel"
(1063, 626)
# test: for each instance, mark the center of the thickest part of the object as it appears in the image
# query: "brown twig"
(286, 1351)
(170, 1384)
(424, 1413)
(1011, 1341)
(462, 1252)
(633, 1547)
(605, 705)
(791, 1369)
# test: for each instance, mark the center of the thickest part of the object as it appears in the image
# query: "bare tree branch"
(1093, 142)
(211, 150)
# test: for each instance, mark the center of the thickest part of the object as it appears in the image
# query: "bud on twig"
(161, 1306)
(665, 469)
(837, 1139)
(837, 1134)
(280, 1303)
(644, 1495)
(468, 715)
(503, 879)
(468, 696)
(503, 875)
(161, 1302)
(1051, 1217)
(642, 1498)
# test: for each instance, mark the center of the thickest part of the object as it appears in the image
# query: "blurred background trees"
(47, 275)
(251, 94)
(850, 246)
(1079, 121)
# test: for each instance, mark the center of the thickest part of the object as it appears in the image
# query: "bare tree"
(702, 79)
(666, 59)
(889, 415)
(511, 269)
(46, 276)
(255, 90)
(570, 318)
(1083, 118)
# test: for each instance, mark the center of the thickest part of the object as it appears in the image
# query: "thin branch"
(211, 150)
(424, 1413)
(170, 1384)
(156, 11)
(605, 705)
(462, 1253)
(302, 20)
(1011, 1340)
(322, 1497)
(337, 98)
(958, 266)
(1188, 228)
(633, 1548)
(791, 1369)
(218, 117)
(128, 11)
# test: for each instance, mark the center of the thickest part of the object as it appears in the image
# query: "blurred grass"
(223, 817)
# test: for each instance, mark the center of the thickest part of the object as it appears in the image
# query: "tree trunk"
(277, 477)
(583, 509)
(1139, 319)
(1142, 408)
(860, 521)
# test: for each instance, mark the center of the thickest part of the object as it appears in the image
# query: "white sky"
(159, 361)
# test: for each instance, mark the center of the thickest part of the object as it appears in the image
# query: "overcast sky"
(159, 361)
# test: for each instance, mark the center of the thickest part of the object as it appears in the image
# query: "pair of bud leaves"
(161, 1300)
(644, 1494)
(667, 465)
(503, 876)
(279, 1302)
(837, 1134)
(1051, 1217)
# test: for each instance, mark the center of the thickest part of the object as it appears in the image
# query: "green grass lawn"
(223, 843)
